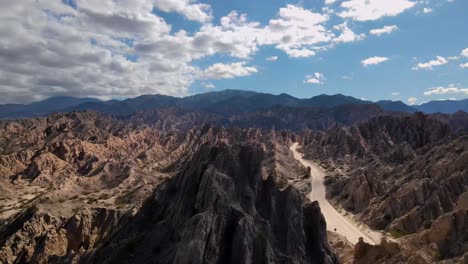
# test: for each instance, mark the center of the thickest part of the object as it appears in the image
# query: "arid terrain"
(189, 186)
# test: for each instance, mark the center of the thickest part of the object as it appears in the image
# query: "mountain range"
(211, 178)
(222, 102)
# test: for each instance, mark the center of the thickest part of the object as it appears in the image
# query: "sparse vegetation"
(282, 182)
(91, 200)
(438, 256)
(104, 196)
(397, 233)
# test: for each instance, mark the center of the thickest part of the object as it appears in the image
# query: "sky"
(408, 50)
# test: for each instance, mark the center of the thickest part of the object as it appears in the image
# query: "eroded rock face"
(37, 237)
(399, 174)
(450, 233)
(85, 172)
(219, 209)
(385, 252)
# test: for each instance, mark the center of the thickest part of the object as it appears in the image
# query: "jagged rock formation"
(385, 252)
(278, 117)
(179, 186)
(35, 236)
(70, 180)
(400, 174)
(220, 209)
(66, 161)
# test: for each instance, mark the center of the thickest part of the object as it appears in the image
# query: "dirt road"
(335, 221)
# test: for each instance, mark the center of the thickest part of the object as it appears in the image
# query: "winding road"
(335, 221)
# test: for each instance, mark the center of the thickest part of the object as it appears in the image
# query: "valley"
(289, 185)
(234, 132)
(335, 221)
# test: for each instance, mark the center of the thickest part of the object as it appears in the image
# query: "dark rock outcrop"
(219, 209)
(385, 252)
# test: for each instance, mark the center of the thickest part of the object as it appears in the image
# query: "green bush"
(397, 233)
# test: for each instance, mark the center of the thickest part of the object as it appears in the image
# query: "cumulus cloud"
(108, 49)
(464, 53)
(427, 10)
(384, 30)
(228, 71)
(189, 8)
(347, 35)
(296, 31)
(396, 93)
(366, 10)
(56, 49)
(316, 78)
(208, 85)
(329, 2)
(373, 61)
(464, 65)
(412, 100)
(430, 64)
(272, 58)
(451, 89)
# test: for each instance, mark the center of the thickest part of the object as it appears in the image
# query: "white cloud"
(453, 58)
(464, 65)
(412, 100)
(373, 61)
(396, 93)
(189, 8)
(430, 64)
(347, 35)
(366, 10)
(384, 30)
(235, 35)
(316, 78)
(228, 71)
(208, 85)
(464, 53)
(296, 31)
(427, 10)
(329, 2)
(54, 49)
(107, 49)
(300, 53)
(272, 58)
(451, 89)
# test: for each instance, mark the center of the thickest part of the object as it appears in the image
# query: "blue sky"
(408, 50)
(420, 37)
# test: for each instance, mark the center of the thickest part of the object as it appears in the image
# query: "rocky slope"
(221, 209)
(399, 174)
(86, 187)
(69, 180)
(278, 117)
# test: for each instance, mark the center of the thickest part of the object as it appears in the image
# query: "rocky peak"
(219, 209)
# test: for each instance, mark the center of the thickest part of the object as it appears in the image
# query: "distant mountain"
(45, 107)
(234, 102)
(129, 106)
(445, 106)
(324, 100)
(396, 106)
(227, 102)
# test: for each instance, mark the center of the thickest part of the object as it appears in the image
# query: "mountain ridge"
(222, 102)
